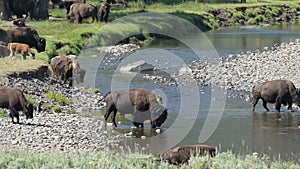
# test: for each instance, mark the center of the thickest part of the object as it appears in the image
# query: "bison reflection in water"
(15, 101)
(141, 103)
(276, 91)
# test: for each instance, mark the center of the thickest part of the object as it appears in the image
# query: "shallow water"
(239, 129)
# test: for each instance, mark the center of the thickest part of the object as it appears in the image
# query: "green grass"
(59, 98)
(2, 113)
(18, 65)
(10, 159)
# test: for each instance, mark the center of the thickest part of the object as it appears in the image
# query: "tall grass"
(101, 159)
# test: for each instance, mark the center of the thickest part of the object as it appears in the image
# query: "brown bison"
(141, 103)
(21, 48)
(14, 100)
(104, 12)
(276, 91)
(80, 11)
(4, 51)
(67, 69)
(28, 36)
(4, 37)
(182, 154)
(21, 7)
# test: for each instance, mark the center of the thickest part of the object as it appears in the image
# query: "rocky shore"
(69, 130)
(240, 72)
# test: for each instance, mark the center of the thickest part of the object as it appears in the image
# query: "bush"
(30, 100)
(2, 113)
(239, 15)
(250, 12)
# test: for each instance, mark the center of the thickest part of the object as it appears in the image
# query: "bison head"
(78, 74)
(28, 110)
(159, 116)
(41, 44)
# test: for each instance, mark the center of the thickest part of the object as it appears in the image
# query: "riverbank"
(63, 125)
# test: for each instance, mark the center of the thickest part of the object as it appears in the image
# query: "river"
(238, 129)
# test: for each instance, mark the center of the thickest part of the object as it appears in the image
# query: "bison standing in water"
(141, 103)
(14, 100)
(276, 91)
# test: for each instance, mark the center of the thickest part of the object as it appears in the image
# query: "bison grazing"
(141, 103)
(104, 12)
(28, 36)
(276, 91)
(14, 100)
(67, 69)
(21, 48)
(182, 154)
(80, 11)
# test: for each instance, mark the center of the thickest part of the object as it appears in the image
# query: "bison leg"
(24, 55)
(138, 125)
(254, 102)
(278, 104)
(290, 105)
(265, 105)
(14, 113)
(113, 117)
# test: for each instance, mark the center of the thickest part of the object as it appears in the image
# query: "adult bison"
(80, 11)
(21, 7)
(141, 103)
(276, 91)
(182, 154)
(4, 37)
(104, 12)
(4, 51)
(29, 36)
(14, 100)
(67, 69)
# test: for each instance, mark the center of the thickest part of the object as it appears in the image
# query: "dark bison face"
(79, 74)
(41, 45)
(161, 116)
(296, 98)
(28, 111)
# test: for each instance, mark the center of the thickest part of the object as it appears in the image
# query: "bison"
(4, 51)
(67, 69)
(104, 12)
(4, 37)
(14, 100)
(276, 91)
(141, 103)
(29, 36)
(21, 7)
(182, 154)
(21, 48)
(80, 11)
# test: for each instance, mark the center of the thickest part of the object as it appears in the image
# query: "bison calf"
(21, 48)
(182, 154)
(14, 100)
(276, 91)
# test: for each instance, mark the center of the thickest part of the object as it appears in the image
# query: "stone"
(138, 66)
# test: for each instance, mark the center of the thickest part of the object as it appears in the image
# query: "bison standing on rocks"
(67, 69)
(14, 100)
(28, 36)
(141, 103)
(276, 91)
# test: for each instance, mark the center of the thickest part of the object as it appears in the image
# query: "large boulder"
(139, 66)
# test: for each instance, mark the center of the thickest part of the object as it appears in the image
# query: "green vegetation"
(56, 109)
(97, 90)
(2, 113)
(59, 98)
(18, 65)
(30, 100)
(25, 159)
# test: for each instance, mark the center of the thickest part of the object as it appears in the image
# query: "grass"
(25, 159)
(2, 113)
(59, 98)
(18, 65)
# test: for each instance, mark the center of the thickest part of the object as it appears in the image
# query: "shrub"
(250, 12)
(239, 15)
(276, 11)
(30, 100)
